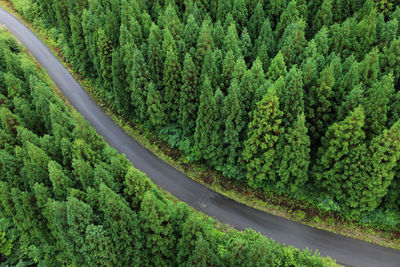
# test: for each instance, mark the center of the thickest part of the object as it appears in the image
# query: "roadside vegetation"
(292, 101)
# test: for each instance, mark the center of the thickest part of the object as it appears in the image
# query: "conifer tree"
(256, 21)
(155, 107)
(292, 97)
(120, 85)
(293, 168)
(385, 155)
(265, 44)
(172, 84)
(61, 182)
(275, 9)
(277, 68)
(206, 123)
(232, 41)
(289, 16)
(138, 85)
(155, 222)
(376, 105)
(122, 225)
(154, 52)
(136, 185)
(218, 35)
(232, 112)
(341, 168)
(240, 69)
(263, 134)
(293, 42)
(210, 69)
(189, 97)
(172, 22)
(319, 104)
(205, 42)
(246, 45)
(239, 12)
(191, 32)
(324, 16)
(227, 71)
(224, 7)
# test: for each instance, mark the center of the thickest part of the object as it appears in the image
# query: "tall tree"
(138, 85)
(172, 84)
(189, 97)
(206, 123)
(154, 52)
(259, 149)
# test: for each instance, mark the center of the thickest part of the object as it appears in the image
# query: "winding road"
(345, 250)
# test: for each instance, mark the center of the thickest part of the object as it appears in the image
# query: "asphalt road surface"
(345, 250)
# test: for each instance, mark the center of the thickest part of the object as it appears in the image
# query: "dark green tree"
(206, 123)
(189, 97)
(172, 84)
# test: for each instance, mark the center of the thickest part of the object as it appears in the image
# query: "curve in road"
(345, 250)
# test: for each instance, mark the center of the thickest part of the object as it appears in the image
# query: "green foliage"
(264, 131)
(181, 68)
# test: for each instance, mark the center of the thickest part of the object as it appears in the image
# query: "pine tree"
(289, 16)
(265, 44)
(205, 42)
(277, 68)
(275, 9)
(191, 32)
(293, 42)
(232, 112)
(239, 12)
(155, 222)
(227, 71)
(123, 225)
(206, 123)
(136, 185)
(293, 168)
(232, 41)
(376, 105)
(61, 182)
(154, 52)
(138, 85)
(246, 45)
(210, 69)
(384, 151)
(256, 21)
(319, 104)
(341, 168)
(172, 22)
(155, 108)
(189, 97)
(171, 82)
(263, 133)
(291, 98)
(324, 16)
(224, 7)
(120, 85)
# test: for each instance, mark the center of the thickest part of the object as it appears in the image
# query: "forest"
(300, 98)
(297, 97)
(69, 199)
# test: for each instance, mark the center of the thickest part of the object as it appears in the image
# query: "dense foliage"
(295, 97)
(68, 199)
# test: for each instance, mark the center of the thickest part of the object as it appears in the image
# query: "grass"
(271, 203)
